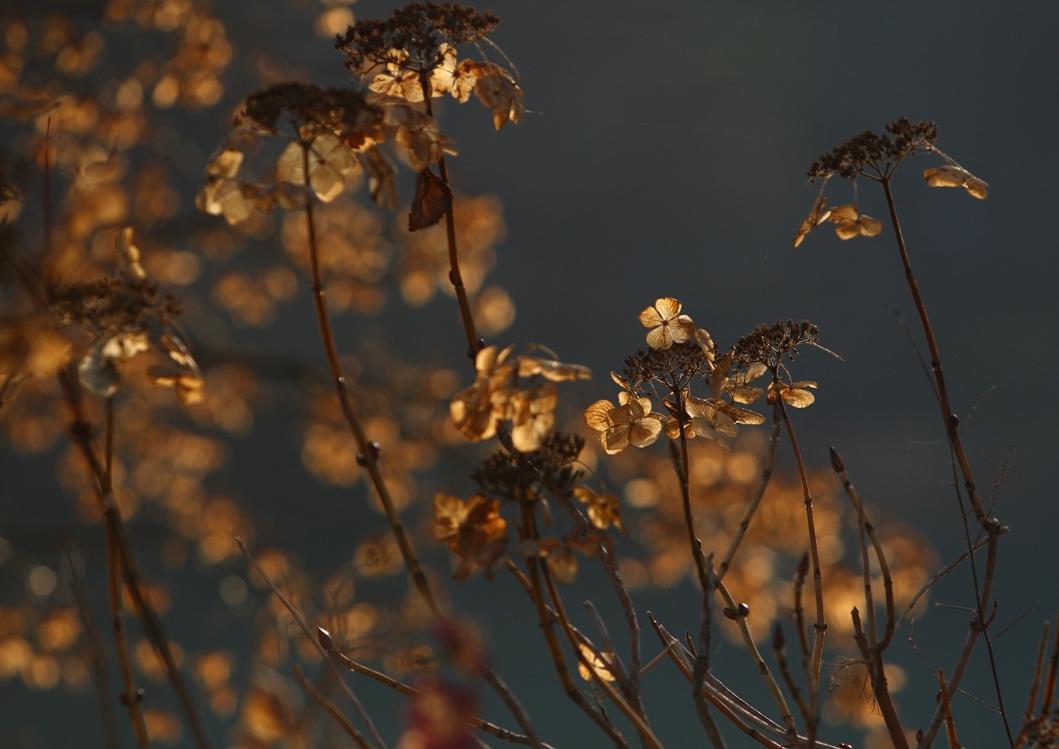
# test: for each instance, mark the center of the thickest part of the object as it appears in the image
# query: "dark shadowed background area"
(665, 154)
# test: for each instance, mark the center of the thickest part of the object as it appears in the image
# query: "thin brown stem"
(406, 689)
(930, 583)
(303, 625)
(1035, 685)
(741, 620)
(868, 528)
(97, 655)
(755, 502)
(820, 626)
(950, 723)
(369, 453)
(330, 708)
(546, 621)
(879, 684)
(949, 418)
(131, 695)
(977, 626)
(474, 343)
(779, 648)
(1053, 668)
(81, 434)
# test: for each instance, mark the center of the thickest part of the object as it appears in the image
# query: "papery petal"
(660, 338)
(597, 415)
(644, 432)
(615, 439)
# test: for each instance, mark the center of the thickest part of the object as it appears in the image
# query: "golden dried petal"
(869, 227)
(645, 431)
(797, 397)
(597, 415)
(667, 307)
(844, 214)
(660, 338)
(290, 166)
(615, 439)
(746, 394)
(745, 416)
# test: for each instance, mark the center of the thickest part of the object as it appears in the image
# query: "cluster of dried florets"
(679, 354)
(477, 533)
(875, 153)
(119, 317)
(412, 56)
(877, 157)
(512, 389)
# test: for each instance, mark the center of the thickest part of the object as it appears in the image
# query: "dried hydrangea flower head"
(515, 389)
(336, 130)
(876, 157)
(679, 354)
(767, 348)
(120, 317)
(412, 56)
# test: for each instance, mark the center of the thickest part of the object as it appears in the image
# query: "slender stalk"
(868, 529)
(956, 675)
(299, 619)
(645, 732)
(369, 453)
(683, 475)
(118, 542)
(951, 424)
(410, 691)
(879, 685)
(950, 724)
(936, 577)
(820, 626)
(546, 621)
(762, 667)
(331, 709)
(1053, 667)
(755, 502)
(81, 435)
(949, 418)
(131, 696)
(1035, 685)
(779, 648)
(98, 657)
(474, 343)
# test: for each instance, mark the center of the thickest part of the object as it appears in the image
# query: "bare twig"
(866, 527)
(474, 343)
(820, 626)
(330, 708)
(755, 502)
(97, 658)
(299, 619)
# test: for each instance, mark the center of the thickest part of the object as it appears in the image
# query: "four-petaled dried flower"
(473, 529)
(849, 222)
(629, 423)
(667, 325)
(952, 175)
